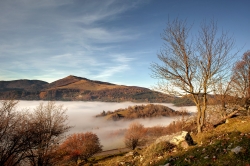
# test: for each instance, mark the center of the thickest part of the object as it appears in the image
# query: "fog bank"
(81, 115)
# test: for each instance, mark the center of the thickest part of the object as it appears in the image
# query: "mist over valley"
(81, 116)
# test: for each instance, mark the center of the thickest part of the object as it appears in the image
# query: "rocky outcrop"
(182, 139)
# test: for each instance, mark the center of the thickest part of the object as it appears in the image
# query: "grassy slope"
(73, 82)
(213, 148)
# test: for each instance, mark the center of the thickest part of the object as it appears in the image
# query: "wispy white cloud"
(110, 71)
(118, 63)
(121, 58)
(62, 36)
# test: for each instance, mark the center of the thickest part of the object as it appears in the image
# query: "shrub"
(80, 146)
(135, 135)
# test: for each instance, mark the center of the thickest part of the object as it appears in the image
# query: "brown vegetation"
(78, 147)
(185, 100)
(141, 111)
(15, 134)
(48, 124)
(30, 138)
(135, 135)
(182, 124)
(241, 80)
(77, 88)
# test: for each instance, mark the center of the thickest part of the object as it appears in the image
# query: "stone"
(129, 154)
(168, 164)
(206, 157)
(177, 139)
(184, 145)
(236, 150)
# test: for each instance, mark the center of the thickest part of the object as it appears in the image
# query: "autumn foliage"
(80, 146)
(135, 135)
(141, 111)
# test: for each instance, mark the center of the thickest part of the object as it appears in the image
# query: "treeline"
(183, 101)
(141, 111)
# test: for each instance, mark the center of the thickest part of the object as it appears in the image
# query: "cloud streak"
(61, 36)
(104, 39)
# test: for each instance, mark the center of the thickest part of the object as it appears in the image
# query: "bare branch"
(193, 67)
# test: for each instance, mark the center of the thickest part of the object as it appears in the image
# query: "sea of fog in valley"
(81, 115)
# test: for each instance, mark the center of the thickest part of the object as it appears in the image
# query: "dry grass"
(88, 85)
(213, 148)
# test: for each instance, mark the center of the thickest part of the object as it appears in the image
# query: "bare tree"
(135, 135)
(48, 124)
(30, 138)
(241, 79)
(80, 146)
(14, 134)
(193, 65)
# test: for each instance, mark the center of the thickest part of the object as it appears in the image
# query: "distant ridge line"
(74, 88)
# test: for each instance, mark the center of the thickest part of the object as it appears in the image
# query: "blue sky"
(106, 40)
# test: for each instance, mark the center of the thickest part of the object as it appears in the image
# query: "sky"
(106, 40)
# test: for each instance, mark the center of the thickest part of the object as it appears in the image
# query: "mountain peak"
(65, 81)
(78, 88)
(75, 78)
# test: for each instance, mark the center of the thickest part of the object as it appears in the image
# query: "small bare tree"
(193, 66)
(30, 138)
(14, 134)
(135, 135)
(80, 146)
(241, 79)
(48, 124)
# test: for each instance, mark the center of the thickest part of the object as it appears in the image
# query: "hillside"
(21, 89)
(25, 85)
(141, 111)
(74, 88)
(227, 144)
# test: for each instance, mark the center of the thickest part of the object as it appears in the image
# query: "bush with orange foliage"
(135, 135)
(80, 146)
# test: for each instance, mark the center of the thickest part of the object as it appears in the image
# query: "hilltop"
(73, 88)
(141, 111)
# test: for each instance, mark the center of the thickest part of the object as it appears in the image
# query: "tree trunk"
(203, 116)
(199, 127)
(203, 110)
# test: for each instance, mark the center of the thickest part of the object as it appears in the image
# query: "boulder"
(182, 138)
(237, 149)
